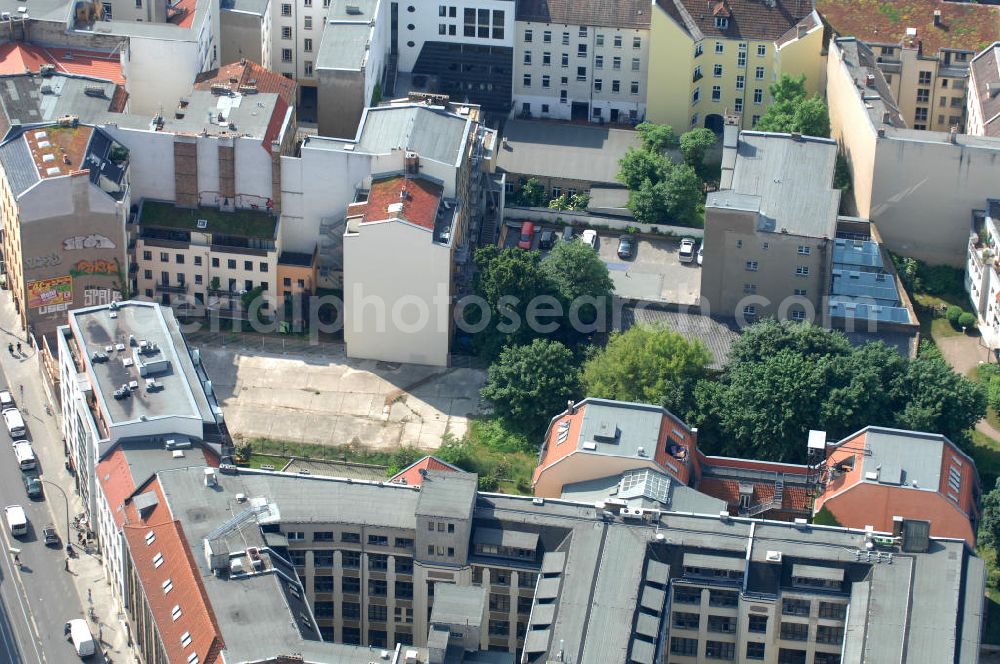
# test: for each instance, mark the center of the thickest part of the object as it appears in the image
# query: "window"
(323, 584)
(616, 86)
(599, 62)
(636, 65)
(698, 49)
(351, 610)
(377, 612)
(545, 108)
(563, 97)
(377, 588)
(758, 96)
(297, 558)
(527, 80)
(527, 57)
(599, 39)
(321, 535)
(757, 624)
(498, 23)
(685, 595)
(679, 646)
(598, 84)
(215, 262)
(583, 31)
(717, 71)
(248, 265)
(147, 255)
(696, 96)
(634, 87)
(528, 36)
(833, 636)
(323, 558)
(324, 609)
(751, 266)
(499, 602)
(755, 650)
(754, 120)
(795, 607)
(832, 610)
(148, 274)
(924, 78)
(546, 59)
(565, 39)
(758, 74)
(565, 60)
(761, 50)
(547, 36)
(749, 289)
(716, 93)
(794, 631)
(404, 565)
(616, 63)
(802, 270)
(618, 41)
(149, 292)
(738, 104)
(741, 60)
(720, 650)
(923, 95)
(683, 620)
(581, 50)
(499, 627)
(164, 257)
(719, 47)
(750, 311)
(286, 9)
(581, 73)
(545, 81)
(805, 250)
(696, 76)
(723, 624)
(404, 590)
(798, 315)
(721, 22)
(307, 69)
(286, 55)
(800, 292)
(231, 263)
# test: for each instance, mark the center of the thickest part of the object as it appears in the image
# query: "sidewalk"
(46, 433)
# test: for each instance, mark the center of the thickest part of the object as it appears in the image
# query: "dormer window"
(721, 22)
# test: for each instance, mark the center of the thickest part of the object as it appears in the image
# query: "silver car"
(686, 253)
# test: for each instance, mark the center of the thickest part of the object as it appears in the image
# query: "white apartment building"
(581, 61)
(128, 380)
(982, 272)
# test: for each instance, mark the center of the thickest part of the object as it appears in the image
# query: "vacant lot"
(316, 395)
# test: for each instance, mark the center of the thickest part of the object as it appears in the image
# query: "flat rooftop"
(58, 150)
(239, 223)
(180, 394)
(30, 99)
(787, 180)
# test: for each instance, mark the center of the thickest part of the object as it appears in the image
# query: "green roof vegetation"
(241, 223)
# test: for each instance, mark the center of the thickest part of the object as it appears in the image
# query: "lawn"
(937, 326)
(241, 223)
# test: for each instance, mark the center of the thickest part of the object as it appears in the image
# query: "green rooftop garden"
(241, 223)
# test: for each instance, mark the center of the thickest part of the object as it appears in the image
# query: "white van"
(16, 520)
(24, 454)
(6, 400)
(78, 632)
(14, 422)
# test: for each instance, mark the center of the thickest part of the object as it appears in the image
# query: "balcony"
(171, 288)
(697, 77)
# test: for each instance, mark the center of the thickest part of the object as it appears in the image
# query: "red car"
(527, 235)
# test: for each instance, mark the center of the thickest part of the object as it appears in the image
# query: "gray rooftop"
(432, 132)
(718, 335)
(673, 496)
(32, 99)
(619, 428)
(255, 7)
(250, 113)
(566, 151)
(447, 494)
(788, 181)
(180, 395)
(908, 458)
(344, 46)
(457, 605)
(57, 11)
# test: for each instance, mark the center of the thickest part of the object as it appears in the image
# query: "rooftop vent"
(773, 556)
(353, 10)
(94, 91)
(210, 478)
(937, 18)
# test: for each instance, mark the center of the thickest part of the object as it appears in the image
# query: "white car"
(701, 252)
(686, 253)
(590, 237)
(6, 400)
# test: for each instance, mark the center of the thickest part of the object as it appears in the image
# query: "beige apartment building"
(768, 230)
(923, 52)
(65, 195)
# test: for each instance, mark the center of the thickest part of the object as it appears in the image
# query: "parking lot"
(653, 274)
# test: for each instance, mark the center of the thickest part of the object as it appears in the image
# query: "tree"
(793, 111)
(940, 400)
(532, 194)
(989, 525)
(639, 166)
(953, 314)
(966, 321)
(682, 193)
(507, 280)
(768, 337)
(694, 144)
(648, 364)
(528, 385)
(580, 280)
(561, 203)
(656, 138)
(648, 203)
(580, 201)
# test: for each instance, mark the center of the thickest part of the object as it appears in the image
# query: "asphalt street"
(39, 596)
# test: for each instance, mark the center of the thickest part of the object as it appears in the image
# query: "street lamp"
(66, 501)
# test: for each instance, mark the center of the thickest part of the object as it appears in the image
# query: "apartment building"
(245, 31)
(918, 187)
(581, 61)
(129, 384)
(982, 279)
(769, 228)
(371, 566)
(923, 54)
(712, 61)
(983, 109)
(452, 147)
(64, 190)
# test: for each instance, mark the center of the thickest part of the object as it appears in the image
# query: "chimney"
(570, 407)
(887, 118)
(881, 132)
(796, 135)
(953, 135)
(937, 18)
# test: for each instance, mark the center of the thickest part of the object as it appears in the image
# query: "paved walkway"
(964, 353)
(94, 593)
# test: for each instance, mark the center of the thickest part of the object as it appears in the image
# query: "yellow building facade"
(710, 61)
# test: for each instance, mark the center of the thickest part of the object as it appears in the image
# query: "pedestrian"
(18, 347)
(10, 349)
(88, 596)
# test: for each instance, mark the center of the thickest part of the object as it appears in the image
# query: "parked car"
(6, 400)
(32, 485)
(14, 422)
(590, 237)
(49, 535)
(527, 235)
(16, 520)
(626, 246)
(546, 239)
(78, 631)
(687, 250)
(567, 233)
(701, 252)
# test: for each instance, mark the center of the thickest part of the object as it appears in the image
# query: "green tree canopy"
(528, 385)
(989, 525)
(648, 364)
(507, 280)
(695, 143)
(532, 194)
(656, 138)
(794, 111)
(639, 166)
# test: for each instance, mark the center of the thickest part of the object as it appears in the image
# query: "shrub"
(966, 320)
(989, 376)
(953, 314)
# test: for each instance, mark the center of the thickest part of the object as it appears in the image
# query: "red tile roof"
(420, 202)
(17, 58)
(245, 73)
(964, 25)
(116, 482)
(794, 498)
(751, 464)
(411, 474)
(186, 590)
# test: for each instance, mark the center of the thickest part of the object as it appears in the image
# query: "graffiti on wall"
(50, 292)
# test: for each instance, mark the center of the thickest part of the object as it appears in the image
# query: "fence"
(582, 219)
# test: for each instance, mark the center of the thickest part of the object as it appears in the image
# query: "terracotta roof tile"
(411, 474)
(16, 58)
(86, 63)
(116, 482)
(186, 591)
(985, 69)
(748, 19)
(964, 25)
(420, 203)
(245, 73)
(608, 13)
